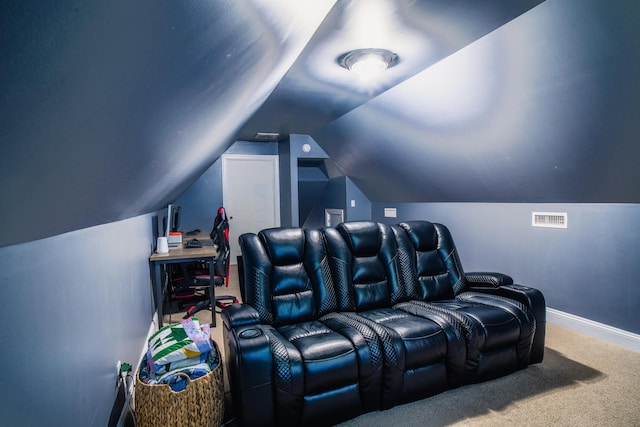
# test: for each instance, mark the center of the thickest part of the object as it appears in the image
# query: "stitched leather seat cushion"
(499, 327)
(424, 341)
(329, 359)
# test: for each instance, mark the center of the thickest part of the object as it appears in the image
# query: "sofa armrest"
(249, 365)
(534, 300)
(487, 279)
(237, 315)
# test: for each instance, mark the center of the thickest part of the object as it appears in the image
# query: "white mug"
(162, 246)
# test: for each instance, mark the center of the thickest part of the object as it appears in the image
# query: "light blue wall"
(333, 197)
(291, 153)
(288, 179)
(74, 304)
(589, 269)
(358, 206)
(312, 182)
(200, 202)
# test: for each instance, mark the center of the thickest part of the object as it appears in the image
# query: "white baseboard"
(596, 330)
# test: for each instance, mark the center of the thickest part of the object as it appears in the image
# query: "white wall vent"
(390, 212)
(549, 219)
(333, 217)
(267, 136)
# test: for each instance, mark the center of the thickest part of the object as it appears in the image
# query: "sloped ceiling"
(540, 106)
(544, 109)
(112, 109)
(316, 90)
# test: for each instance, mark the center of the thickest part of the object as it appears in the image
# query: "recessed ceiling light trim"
(368, 61)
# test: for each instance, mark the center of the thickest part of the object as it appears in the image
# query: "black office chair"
(192, 281)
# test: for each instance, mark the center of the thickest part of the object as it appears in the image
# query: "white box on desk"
(174, 239)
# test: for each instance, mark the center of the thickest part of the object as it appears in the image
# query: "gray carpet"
(581, 382)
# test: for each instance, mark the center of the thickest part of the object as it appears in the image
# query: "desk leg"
(212, 292)
(157, 288)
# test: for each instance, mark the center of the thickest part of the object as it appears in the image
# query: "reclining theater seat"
(423, 355)
(499, 329)
(364, 316)
(291, 359)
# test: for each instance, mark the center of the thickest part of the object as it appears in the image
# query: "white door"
(251, 195)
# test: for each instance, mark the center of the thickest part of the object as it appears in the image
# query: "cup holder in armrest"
(250, 333)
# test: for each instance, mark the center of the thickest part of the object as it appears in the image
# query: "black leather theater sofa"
(342, 321)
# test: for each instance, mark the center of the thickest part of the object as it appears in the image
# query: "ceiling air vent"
(549, 219)
(267, 136)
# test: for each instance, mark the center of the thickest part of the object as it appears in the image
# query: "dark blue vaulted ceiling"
(544, 109)
(111, 110)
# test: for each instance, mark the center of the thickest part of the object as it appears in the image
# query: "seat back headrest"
(286, 277)
(439, 270)
(363, 237)
(364, 258)
(283, 245)
(423, 235)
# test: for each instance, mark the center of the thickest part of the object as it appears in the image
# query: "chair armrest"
(487, 279)
(249, 364)
(237, 315)
(534, 300)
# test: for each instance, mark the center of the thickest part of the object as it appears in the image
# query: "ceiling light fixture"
(368, 62)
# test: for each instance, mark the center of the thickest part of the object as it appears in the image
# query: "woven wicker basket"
(201, 403)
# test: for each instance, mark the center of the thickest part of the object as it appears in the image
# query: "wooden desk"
(180, 255)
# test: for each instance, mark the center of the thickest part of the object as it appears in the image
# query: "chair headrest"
(363, 237)
(284, 246)
(423, 234)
